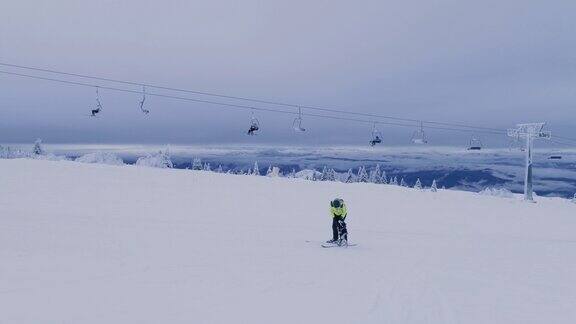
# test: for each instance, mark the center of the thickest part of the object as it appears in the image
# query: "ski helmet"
(337, 203)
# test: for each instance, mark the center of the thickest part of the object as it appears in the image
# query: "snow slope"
(87, 243)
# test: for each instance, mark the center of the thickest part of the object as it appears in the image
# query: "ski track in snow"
(86, 243)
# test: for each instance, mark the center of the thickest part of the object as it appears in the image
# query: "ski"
(336, 245)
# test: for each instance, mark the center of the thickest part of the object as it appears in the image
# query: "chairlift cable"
(299, 114)
(565, 138)
(250, 99)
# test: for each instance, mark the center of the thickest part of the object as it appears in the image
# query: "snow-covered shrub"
(292, 174)
(100, 158)
(497, 192)
(273, 172)
(9, 153)
(158, 160)
(418, 184)
(434, 186)
(308, 174)
(50, 157)
(220, 169)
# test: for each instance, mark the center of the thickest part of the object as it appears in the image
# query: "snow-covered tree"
(292, 173)
(383, 178)
(434, 186)
(375, 174)
(394, 181)
(269, 171)
(403, 183)
(220, 170)
(349, 177)
(362, 175)
(574, 199)
(324, 176)
(331, 175)
(418, 184)
(197, 164)
(38, 149)
(207, 167)
(255, 169)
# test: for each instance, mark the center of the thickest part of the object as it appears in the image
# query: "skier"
(96, 111)
(375, 140)
(253, 129)
(339, 213)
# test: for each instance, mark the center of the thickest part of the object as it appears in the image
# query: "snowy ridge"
(451, 167)
(88, 243)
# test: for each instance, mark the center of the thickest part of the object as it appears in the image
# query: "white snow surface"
(89, 243)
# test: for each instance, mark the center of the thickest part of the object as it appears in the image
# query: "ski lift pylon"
(297, 123)
(419, 136)
(254, 125)
(376, 136)
(144, 110)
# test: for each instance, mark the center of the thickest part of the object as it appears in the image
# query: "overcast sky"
(487, 63)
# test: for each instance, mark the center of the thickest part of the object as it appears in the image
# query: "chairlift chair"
(254, 125)
(419, 136)
(475, 144)
(376, 136)
(144, 110)
(98, 109)
(297, 123)
(555, 155)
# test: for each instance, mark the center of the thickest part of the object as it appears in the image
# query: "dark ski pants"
(339, 227)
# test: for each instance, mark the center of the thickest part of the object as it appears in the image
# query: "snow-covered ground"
(91, 243)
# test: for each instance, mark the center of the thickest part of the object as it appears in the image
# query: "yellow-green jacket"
(340, 211)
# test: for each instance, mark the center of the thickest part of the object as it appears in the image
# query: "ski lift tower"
(530, 132)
